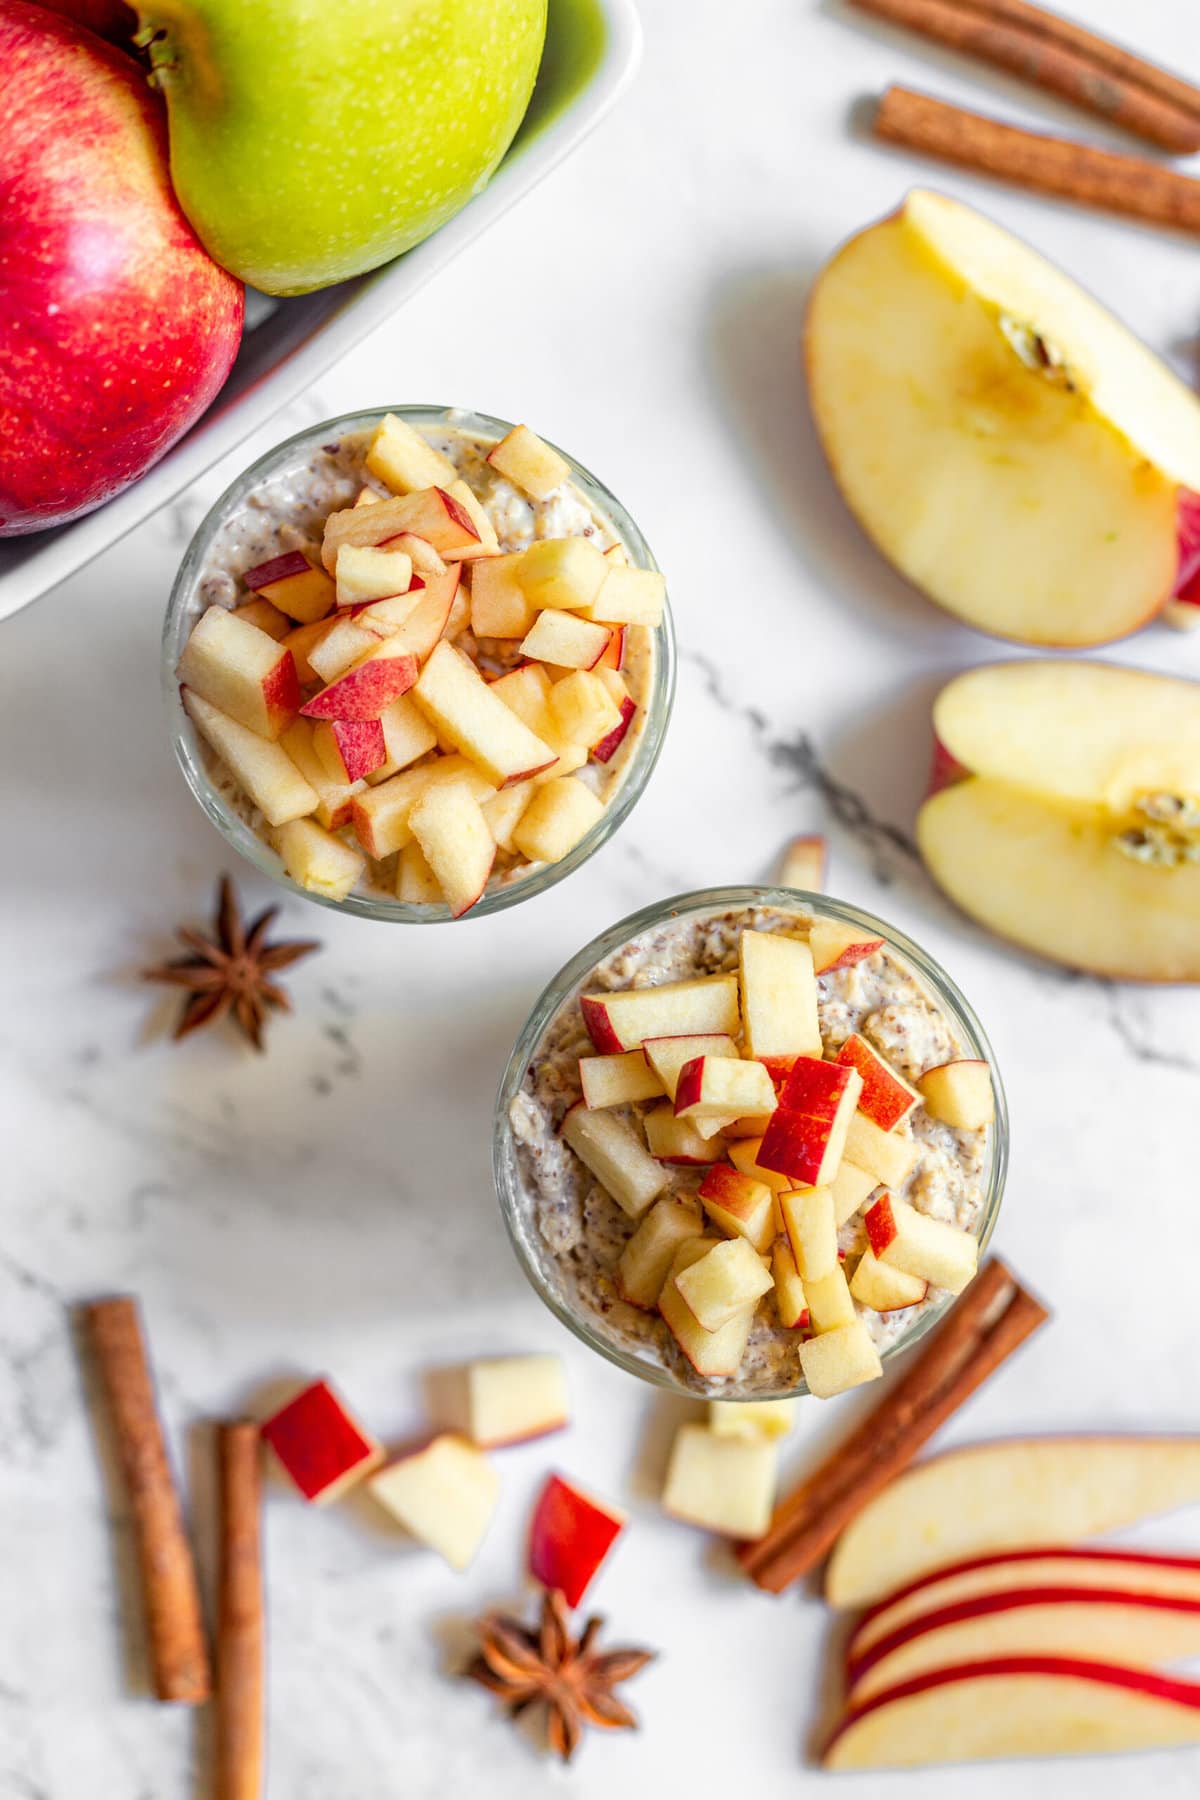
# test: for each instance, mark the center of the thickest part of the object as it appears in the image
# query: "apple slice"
(1008, 445)
(319, 861)
(445, 1495)
(430, 617)
(811, 1232)
(344, 641)
(804, 865)
(807, 1133)
(617, 1080)
(416, 883)
(402, 459)
(489, 544)
(1076, 835)
(839, 1360)
(779, 995)
(565, 640)
(830, 1304)
(711, 1353)
(739, 1206)
(570, 1535)
(364, 691)
(530, 464)
(562, 572)
(349, 749)
(241, 671)
(320, 1444)
(852, 1187)
(459, 704)
(960, 1094)
(500, 607)
(752, 1418)
(624, 1019)
(930, 1249)
(261, 769)
(335, 797)
(293, 584)
(407, 735)
(837, 946)
(1005, 1496)
(724, 1483)
(722, 1087)
(431, 513)
(448, 823)
(885, 1288)
(791, 1302)
(886, 1097)
(582, 709)
(630, 597)
(614, 1153)
(887, 1155)
(511, 1399)
(668, 1056)
(557, 818)
(381, 816)
(266, 617)
(364, 574)
(723, 1282)
(645, 1262)
(677, 1141)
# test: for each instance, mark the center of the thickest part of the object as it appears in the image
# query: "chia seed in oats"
(578, 1231)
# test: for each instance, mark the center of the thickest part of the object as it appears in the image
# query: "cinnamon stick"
(175, 1628)
(989, 1322)
(1130, 185)
(240, 1623)
(1050, 63)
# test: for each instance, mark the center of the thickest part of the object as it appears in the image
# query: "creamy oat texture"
(578, 1232)
(288, 512)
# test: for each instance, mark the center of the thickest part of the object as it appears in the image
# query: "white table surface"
(330, 1207)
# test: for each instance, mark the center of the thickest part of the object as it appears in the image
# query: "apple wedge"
(1075, 831)
(1016, 1706)
(624, 1020)
(1008, 445)
(448, 823)
(614, 1153)
(1008, 1495)
(570, 1535)
(645, 1262)
(837, 946)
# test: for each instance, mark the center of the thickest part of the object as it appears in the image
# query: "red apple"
(117, 328)
(320, 1444)
(110, 19)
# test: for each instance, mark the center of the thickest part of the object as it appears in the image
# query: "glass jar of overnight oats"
(568, 1231)
(279, 504)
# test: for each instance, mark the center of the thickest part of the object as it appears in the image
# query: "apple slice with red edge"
(570, 1535)
(807, 1133)
(932, 1250)
(293, 584)
(364, 691)
(448, 823)
(625, 1018)
(710, 1353)
(723, 1087)
(886, 1098)
(668, 1056)
(263, 771)
(350, 749)
(611, 742)
(242, 671)
(320, 1444)
(645, 1262)
(837, 946)
(739, 1206)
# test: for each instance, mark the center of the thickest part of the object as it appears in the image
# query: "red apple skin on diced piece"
(607, 748)
(242, 671)
(293, 584)
(805, 1136)
(625, 1018)
(886, 1097)
(364, 691)
(360, 746)
(569, 1537)
(960, 1094)
(837, 946)
(722, 1087)
(738, 1204)
(319, 1444)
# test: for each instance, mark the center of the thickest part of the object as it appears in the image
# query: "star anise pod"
(229, 974)
(522, 1666)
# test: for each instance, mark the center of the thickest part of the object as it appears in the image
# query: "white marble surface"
(330, 1207)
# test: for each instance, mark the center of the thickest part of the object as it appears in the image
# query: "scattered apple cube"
(566, 641)
(511, 1399)
(614, 1153)
(779, 995)
(407, 735)
(241, 671)
(852, 1187)
(261, 769)
(807, 1133)
(752, 1418)
(570, 1535)
(488, 544)
(558, 817)
(743, 1154)
(562, 572)
(301, 642)
(883, 1288)
(645, 1262)
(529, 463)
(448, 823)
(960, 1094)
(444, 1495)
(791, 1302)
(317, 859)
(364, 691)
(503, 812)
(812, 1234)
(617, 1080)
(431, 513)
(500, 607)
(677, 1141)
(830, 1305)
(582, 709)
(887, 1155)
(726, 1484)
(739, 1206)
(320, 1445)
(400, 457)
(294, 585)
(838, 1360)
(668, 1056)
(804, 866)
(623, 1021)
(719, 1087)
(710, 1353)
(526, 692)
(931, 1249)
(349, 749)
(723, 1283)
(266, 617)
(334, 797)
(381, 815)
(458, 702)
(416, 883)
(886, 1097)
(630, 597)
(363, 573)
(836, 946)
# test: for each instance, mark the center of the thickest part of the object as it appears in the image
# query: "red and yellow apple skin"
(319, 1443)
(118, 329)
(569, 1538)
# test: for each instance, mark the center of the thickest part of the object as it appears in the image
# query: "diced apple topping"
(363, 574)
(582, 709)
(500, 607)
(812, 1234)
(462, 708)
(886, 1155)
(241, 671)
(294, 585)
(320, 1444)
(931, 1249)
(402, 459)
(349, 749)
(334, 794)
(318, 859)
(720, 1087)
(722, 1283)
(668, 1056)
(711, 1353)
(884, 1288)
(261, 769)
(646, 1259)
(558, 817)
(630, 597)
(569, 1538)
(617, 1080)
(836, 946)
(725, 1483)
(791, 1302)
(448, 823)
(566, 641)
(804, 865)
(886, 1097)
(830, 1304)
(380, 817)
(739, 1206)
(616, 1156)
(837, 1360)
(416, 883)
(807, 1133)
(851, 1189)
(530, 464)
(779, 995)
(562, 572)
(678, 1141)
(267, 617)
(960, 1094)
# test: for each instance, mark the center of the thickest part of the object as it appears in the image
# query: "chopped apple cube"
(838, 1360)
(677, 1141)
(960, 1094)
(791, 1302)
(570, 1536)
(511, 1399)
(668, 1056)
(779, 995)
(752, 1418)
(931, 1249)
(349, 749)
(459, 704)
(836, 946)
(526, 692)
(566, 641)
(304, 640)
(503, 812)
(807, 1134)
(291, 583)
(430, 616)
(711, 1353)
(261, 769)
(645, 1262)
(617, 1080)
(488, 544)
(614, 661)
(812, 1234)
(739, 1206)
(241, 671)
(320, 1444)
(885, 1289)
(830, 1305)
(381, 816)
(581, 708)
(722, 1283)
(630, 597)
(407, 735)
(448, 823)
(400, 457)
(725, 1483)
(334, 797)
(559, 816)
(887, 1155)
(430, 513)
(416, 883)
(344, 641)
(444, 1495)
(886, 1097)
(365, 691)
(743, 1154)
(611, 742)
(317, 859)
(364, 573)
(500, 607)
(624, 1020)
(425, 559)
(804, 866)
(562, 572)
(266, 617)
(719, 1087)
(616, 1156)
(523, 458)
(851, 1188)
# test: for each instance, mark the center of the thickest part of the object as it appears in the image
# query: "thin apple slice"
(724, 1483)
(645, 1262)
(617, 1080)
(625, 1018)
(1006, 1496)
(677, 1141)
(711, 1353)
(448, 823)
(569, 1537)
(318, 860)
(931, 1249)
(839, 1360)
(523, 458)
(779, 995)
(459, 704)
(261, 769)
(614, 1153)
(241, 671)
(403, 460)
(886, 1098)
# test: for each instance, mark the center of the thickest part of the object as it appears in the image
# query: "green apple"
(311, 141)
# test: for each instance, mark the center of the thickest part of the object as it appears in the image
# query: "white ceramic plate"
(288, 344)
